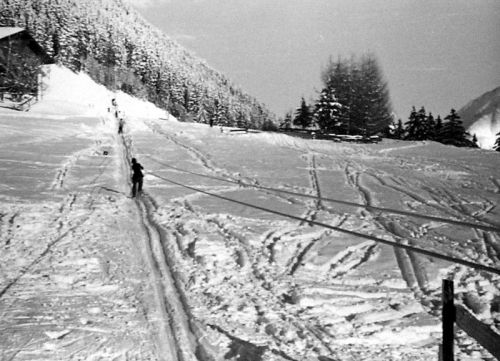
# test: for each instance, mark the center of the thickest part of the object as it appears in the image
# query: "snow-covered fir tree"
(328, 111)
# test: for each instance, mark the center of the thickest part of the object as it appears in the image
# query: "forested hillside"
(117, 47)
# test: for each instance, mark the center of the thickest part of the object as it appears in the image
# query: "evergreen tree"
(337, 76)
(303, 115)
(497, 143)
(374, 109)
(413, 128)
(216, 116)
(287, 121)
(399, 132)
(453, 131)
(430, 127)
(327, 111)
(474, 142)
(438, 127)
(360, 89)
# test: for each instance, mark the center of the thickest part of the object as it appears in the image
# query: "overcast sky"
(436, 53)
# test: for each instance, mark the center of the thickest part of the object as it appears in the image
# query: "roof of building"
(6, 31)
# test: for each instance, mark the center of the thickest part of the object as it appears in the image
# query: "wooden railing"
(22, 102)
(451, 314)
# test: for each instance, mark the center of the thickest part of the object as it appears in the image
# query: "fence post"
(448, 314)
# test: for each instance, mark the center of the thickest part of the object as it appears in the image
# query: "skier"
(137, 177)
(120, 126)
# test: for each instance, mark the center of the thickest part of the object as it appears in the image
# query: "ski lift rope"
(339, 229)
(483, 227)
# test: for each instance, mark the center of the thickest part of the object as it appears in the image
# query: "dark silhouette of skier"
(137, 177)
(120, 126)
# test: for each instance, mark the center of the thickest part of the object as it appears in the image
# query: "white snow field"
(89, 273)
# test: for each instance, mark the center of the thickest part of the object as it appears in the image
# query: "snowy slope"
(482, 117)
(86, 272)
(69, 93)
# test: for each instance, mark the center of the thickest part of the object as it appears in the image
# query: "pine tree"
(497, 143)
(303, 115)
(216, 116)
(327, 111)
(337, 76)
(453, 131)
(412, 125)
(430, 126)
(438, 127)
(360, 89)
(474, 142)
(287, 121)
(399, 132)
(372, 90)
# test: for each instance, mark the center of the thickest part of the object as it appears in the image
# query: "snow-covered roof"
(6, 31)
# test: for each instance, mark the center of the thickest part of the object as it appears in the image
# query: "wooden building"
(21, 58)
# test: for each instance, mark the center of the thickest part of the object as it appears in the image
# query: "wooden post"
(448, 314)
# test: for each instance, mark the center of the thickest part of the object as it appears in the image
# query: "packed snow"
(89, 273)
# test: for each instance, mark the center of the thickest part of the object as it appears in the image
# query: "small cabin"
(21, 58)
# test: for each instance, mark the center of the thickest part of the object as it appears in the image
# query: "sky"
(440, 54)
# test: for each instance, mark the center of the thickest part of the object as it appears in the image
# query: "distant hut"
(21, 58)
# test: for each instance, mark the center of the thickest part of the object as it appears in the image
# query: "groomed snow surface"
(89, 273)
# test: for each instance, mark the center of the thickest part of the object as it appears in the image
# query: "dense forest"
(112, 43)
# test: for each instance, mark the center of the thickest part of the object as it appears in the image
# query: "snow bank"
(76, 94)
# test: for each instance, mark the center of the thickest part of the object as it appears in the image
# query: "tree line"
(354, 99)
(423, 126)
(113, 44)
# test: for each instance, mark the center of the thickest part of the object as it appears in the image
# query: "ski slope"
(86, 272)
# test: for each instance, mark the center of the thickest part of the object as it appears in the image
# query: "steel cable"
(353, 233)
(483, 227)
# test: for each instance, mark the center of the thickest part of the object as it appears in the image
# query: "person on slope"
(121, 122)
(137, 177)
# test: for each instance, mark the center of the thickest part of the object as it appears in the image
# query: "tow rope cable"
(483, 227)
(353, 233)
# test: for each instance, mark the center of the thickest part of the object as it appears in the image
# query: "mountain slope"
(481, 117)
(110, 41)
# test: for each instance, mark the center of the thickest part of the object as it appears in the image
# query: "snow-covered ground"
(88, 273)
